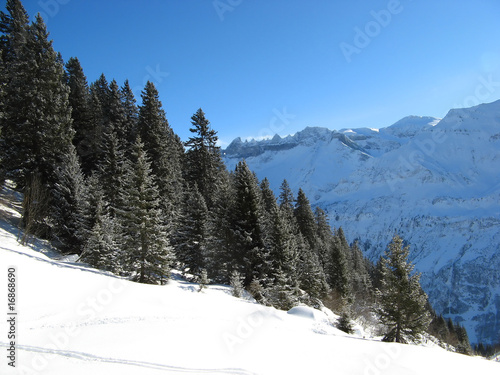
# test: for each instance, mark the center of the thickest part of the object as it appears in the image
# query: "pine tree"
(219, 247)
(402, 303)
(101, 250)
(311, 276)
(305, 219)
(337, 268)
(286, 199)
(79, 100)
(165, 150)
(249, 251)
(68, 195)
(203, 280)
(236, 283)
(131, 113)
(146, 246)
(190, 237)
(112, 169)
(36, 128)
(345, 323)
(203, 162)
(282, 295)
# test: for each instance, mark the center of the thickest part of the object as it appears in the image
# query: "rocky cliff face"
(435, 182)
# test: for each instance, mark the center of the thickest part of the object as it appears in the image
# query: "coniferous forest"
(104, 176)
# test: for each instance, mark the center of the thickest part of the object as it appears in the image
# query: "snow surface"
(73, 319)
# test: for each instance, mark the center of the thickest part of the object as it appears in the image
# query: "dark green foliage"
(402, 303)
(236, 283)
(190, 237)
(345, 323)
(249, 253)
(148, 255)
(203, 162)
(36, 122)
(165, 150)
(68, 196)
(79, 100)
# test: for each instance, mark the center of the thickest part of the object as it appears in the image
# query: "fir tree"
(101, 250)
(311, 276)
(236, 283)
(79, 100)
(282, 294)
(249, 251)
(36, 128)
(345, 323)
(68, 195)
(165, 150)
(203, 161)
(220, 240)
(131, 113)
(402, 303)
(305, 219)
(203, 280)
(146, 246)
(190, 238)
(337, 268)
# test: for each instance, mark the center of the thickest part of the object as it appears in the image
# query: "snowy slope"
(436, 183)
(76, 320)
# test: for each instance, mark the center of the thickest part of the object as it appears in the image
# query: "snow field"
(77, 320)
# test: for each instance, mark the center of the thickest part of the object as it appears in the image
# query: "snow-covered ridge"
(436, 182)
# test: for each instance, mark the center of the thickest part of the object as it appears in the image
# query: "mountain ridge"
(434, 181)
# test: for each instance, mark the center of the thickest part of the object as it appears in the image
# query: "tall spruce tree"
(148, 254)
(79, 100)
(305, 219)
(203, 162)
(36, 128)
(68, 195)
(190, 237)
(250, 255)
(402, 303)
(165, 150)
(131, 115)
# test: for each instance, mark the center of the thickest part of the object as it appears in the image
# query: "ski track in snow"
(157, 366)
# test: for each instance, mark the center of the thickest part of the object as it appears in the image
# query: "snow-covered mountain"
(435, 182)
(73, 319)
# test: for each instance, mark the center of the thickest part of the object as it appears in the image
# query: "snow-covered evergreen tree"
(36, 126)
(68, 195)
(102, 248)
(148, 254)
(402, 303)
(190, 238)
(236, 283)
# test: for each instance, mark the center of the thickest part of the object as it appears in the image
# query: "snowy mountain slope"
(436, 183)
(72, 319)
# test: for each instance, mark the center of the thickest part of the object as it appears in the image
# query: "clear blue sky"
(258, 67)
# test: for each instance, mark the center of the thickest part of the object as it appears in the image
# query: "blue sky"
(259, 67)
